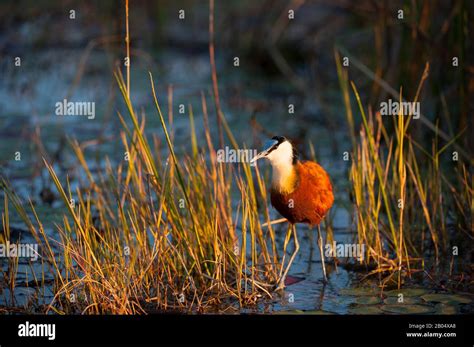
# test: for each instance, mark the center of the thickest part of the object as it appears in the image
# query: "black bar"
(260, 329)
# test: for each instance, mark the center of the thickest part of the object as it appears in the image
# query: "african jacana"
(301, 192)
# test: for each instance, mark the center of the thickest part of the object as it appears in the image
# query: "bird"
(301, 191)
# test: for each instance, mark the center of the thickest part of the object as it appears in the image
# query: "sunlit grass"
(157, 233)
(404, 198)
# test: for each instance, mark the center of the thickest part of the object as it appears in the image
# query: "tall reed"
(404, 199)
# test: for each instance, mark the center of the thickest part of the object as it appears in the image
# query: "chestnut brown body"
(310, 198)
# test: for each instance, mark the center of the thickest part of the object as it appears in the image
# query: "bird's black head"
(278, 148)
(279, 139)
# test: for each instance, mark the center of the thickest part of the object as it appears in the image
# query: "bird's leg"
(285, 244)
(311, 249)
(320, 244)
(281, 285)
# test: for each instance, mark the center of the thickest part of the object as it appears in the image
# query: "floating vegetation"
(407, 309)
(368, 300)
(407, 300)
(365, 310)
(407, 292)
(448, 298)
(359, 291)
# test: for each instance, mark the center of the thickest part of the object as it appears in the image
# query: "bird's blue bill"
(266, 148)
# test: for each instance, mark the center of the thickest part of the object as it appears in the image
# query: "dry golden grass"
(403, 197)
(158, 233)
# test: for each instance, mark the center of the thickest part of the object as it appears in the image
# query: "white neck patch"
(281, 160)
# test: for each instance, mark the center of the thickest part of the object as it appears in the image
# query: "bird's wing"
(318, 186)
(317, 176)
